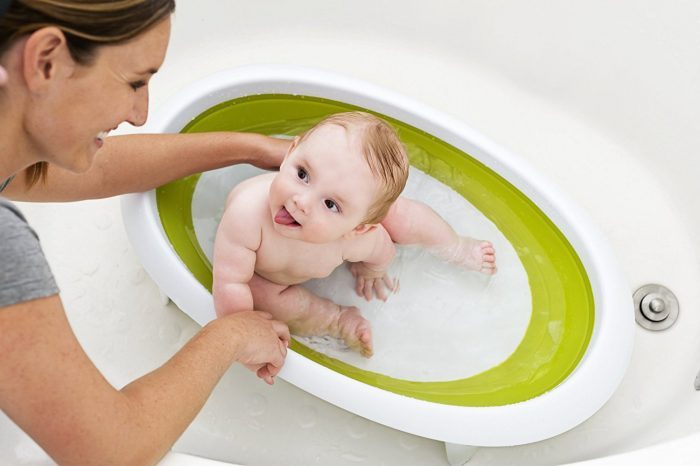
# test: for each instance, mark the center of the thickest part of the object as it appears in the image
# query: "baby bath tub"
(579, 340)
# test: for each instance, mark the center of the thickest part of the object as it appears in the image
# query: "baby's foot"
(470, 253)
(355, 330)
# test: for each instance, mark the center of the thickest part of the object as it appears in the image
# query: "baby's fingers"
(367, 289)
(360, 286)
(391, 284)
(379, 289)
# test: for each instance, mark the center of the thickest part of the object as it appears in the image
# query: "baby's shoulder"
(250, 193)
(247, 203)
(358, 247)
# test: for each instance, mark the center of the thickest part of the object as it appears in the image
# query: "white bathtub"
(600, 98)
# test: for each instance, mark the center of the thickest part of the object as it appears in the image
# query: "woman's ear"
(46, 56)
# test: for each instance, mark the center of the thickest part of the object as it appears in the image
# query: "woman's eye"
(136, 85)
(332, 206)
(301, 173)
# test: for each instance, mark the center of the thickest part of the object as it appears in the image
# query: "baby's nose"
(301, 202)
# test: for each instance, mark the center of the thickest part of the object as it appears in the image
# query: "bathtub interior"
(413, 338)
(411, 341)
(562, 308)
(601, 98)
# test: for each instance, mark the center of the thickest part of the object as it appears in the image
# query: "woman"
(75, 70)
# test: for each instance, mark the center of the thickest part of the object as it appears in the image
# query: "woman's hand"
(270, 152)
(261, 342)
(369, 281)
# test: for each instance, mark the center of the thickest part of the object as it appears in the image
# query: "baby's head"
(383, 151)
(339, 178)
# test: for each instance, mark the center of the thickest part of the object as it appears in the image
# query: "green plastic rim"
(563, 309)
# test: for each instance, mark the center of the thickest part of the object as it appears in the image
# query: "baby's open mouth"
(283, 217)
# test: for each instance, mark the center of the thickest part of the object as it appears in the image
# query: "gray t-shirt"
(24, 272)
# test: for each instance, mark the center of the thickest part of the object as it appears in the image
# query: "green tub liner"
(563, 309)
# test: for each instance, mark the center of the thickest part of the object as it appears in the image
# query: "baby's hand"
(369, 281)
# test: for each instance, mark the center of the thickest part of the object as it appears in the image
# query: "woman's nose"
(139, 111)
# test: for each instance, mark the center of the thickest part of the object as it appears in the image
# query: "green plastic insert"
(562, 318)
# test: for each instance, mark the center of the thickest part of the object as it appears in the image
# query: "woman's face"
(68, 123)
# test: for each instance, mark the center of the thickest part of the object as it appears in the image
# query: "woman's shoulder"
(24, 272)
(11, 218)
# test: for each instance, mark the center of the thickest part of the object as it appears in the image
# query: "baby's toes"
(487, 247)
(364, 335)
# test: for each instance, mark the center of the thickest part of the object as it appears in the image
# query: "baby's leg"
(307, 314)
(412, 222)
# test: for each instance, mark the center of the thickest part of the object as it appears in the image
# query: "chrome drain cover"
(655, 307)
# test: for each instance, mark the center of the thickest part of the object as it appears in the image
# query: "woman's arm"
(51, 389)
(136, 163)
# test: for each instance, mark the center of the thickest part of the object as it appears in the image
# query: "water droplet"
(138, 276)
(306, 417)
(170, 333)
(89, 267)
(408, 442)
(256, 405)
(357, 428)
(102, 221)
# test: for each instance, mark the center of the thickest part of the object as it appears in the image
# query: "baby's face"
(324, 188)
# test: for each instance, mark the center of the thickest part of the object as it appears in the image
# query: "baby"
(335, 199)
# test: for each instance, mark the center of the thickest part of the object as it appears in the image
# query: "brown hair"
(384, 152)
(87, 25)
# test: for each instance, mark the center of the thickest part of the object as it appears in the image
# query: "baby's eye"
(301, 173)
(332, 206)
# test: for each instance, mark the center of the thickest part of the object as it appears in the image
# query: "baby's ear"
(363, 228)
(292, 146)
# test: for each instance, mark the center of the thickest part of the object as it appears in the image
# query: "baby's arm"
(413, 222)
(370, 255)
(234, 259)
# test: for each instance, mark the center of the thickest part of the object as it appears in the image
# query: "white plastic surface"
(552, 413)
(182, 459)
(679, 452)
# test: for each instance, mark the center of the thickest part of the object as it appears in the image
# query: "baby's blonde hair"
(384, 152)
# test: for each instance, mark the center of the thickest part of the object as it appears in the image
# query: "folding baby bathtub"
(579, 339)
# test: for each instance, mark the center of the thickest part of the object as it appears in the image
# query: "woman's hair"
(384, 152)
(87, 25)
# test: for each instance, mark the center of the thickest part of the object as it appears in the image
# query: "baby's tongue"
(283, 217)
